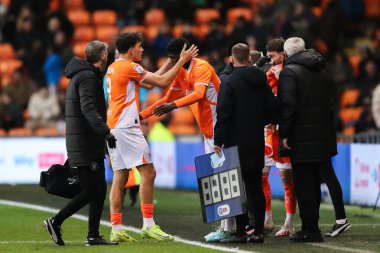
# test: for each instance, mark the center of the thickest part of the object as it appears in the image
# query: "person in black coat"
(245, 105)
(308, 134)
(86, 132)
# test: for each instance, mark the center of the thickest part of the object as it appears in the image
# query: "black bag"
(61, 180)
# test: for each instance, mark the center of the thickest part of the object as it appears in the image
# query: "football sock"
(341, 221)
(267, 193)
(289, 219)
(222, 224)
(268, 216)
(290, 199)
(229, 225)
(147, 213)
(116, 219)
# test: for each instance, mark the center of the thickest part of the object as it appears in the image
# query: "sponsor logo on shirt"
(139, 69)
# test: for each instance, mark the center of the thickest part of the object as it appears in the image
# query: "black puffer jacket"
(245, 105)
(85, 112)
(306, 101)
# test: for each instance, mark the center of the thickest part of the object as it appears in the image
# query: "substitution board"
(220, 184)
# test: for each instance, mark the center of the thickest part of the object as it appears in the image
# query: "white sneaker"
(285, 230)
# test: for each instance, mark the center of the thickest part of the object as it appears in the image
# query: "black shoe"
(304, 236)
(259, 238)
(99, 240)
(337, 229)
(235, 239)
(54, 231)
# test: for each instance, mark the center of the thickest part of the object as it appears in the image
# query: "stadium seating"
(2, 132)
(7, 52)
(48, 132)
(349, 97)
(372, 9)
(74, 5)
(79, 17)
(7, 68)
(84, 33)
(20, 132)
(182, 122)
(234, 13)
(205, 16)
(201, 31)
(154, 17)
(79, 49)
(63, 83)
(354, 61)
(104, 18)
(106, 33)
(134, 28)
(151, 33)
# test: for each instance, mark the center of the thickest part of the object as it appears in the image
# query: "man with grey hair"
(307, 133)
(86, 133)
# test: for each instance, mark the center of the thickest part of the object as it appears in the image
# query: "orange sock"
(290, 199)
(267, 193)
(116, 218)
(147, 210)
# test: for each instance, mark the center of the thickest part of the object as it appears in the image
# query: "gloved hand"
(262, 61)
(111, 140)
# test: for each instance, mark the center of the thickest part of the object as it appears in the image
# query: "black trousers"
(255, 200)
(307, 181)
(94, 189)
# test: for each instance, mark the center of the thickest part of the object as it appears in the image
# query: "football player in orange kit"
(275, 51)
(123, 79)
(197, 86)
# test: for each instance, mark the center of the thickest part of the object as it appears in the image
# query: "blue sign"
(220, 184)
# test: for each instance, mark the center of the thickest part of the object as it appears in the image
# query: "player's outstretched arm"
(165, 79)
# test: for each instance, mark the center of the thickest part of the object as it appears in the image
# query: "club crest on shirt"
(139, 69)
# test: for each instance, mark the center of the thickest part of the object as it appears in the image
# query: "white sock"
(268, 216)
(148, 222)
(117, 227)
(341, 221)
(222, 224)
(289, 219)
(229, 225)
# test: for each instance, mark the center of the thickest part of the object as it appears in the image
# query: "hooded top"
(305, 93)
(245, 105)
(85, 113)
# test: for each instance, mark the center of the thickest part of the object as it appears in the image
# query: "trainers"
(285, 230)
(249, 230)
(268, 226)
(235, 239)
(99, 240)
(337, 229)
(259, 238)
(54, 231)
(121, 236)
(304, 236)
(217, 236)
(156, 233)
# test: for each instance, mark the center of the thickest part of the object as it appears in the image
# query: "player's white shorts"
(131, 149)
(209, 145)
(269, 162)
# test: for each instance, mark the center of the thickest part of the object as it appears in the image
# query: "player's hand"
(187, 55)
(164, 108)
(285, 143)
(262, 61)
(218, 150)
(111, 140)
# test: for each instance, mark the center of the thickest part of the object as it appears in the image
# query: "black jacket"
(307, 114)
(85, 112)
(245, 105)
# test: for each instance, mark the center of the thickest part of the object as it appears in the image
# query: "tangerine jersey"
(198, 87)
(122, 82)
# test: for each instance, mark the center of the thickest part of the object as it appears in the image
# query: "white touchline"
(108, 224)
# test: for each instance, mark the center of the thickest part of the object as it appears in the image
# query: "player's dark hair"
(125, 41)
(276, 45)
(240, 52)
(175, 46)
(95, 50)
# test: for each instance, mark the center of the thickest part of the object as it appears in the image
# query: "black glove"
(111, 140)
(262, 61)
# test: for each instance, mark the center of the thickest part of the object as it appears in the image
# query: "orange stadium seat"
(2, 132)
(205, 16)
(20, 132)
(201, 31)
(134, 28)
(354, 61)
(48, 132)
(161, 61)
(63, 83)
(372, 8)
(79, 49)
(103, 18)
(79, 17)
(154, 17)
(177, 31)
(74, 5)
(349, 97)
(84, 33)
(106, 33)
(7, 68)
(151, 33)
(6, 52)
(182, 122)
(234, 13)
(350, 115)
